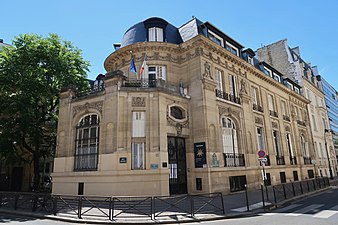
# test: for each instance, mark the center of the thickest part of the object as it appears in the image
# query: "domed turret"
(152, 29)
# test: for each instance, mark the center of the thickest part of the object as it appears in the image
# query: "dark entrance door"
(17, 173)
(177, 166)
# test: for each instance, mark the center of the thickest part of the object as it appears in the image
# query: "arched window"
(229, 136)
(87, 143)
(230, 146)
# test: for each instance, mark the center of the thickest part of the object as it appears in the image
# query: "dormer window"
(155, 34)
(250, 60)
(289, 85)
(231, 48)
(276, 77)
(297, 90)
(215, 38)
(267, 71)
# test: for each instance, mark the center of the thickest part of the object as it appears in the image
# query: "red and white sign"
(261, 153)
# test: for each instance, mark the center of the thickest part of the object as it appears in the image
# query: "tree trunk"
(36, 181)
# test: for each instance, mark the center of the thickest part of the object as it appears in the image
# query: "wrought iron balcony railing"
(233, 160)
(287, 118)
(280, 160)
(228, 97)
(273, 113)
(293, 160)
(257, 107)
(307, 160)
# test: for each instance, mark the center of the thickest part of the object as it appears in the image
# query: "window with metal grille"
(87, 143)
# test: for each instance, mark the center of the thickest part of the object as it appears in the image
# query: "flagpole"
(131, 52)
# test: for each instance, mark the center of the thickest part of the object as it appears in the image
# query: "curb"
(163, 221)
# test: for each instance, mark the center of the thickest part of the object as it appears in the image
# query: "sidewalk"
(235, 205)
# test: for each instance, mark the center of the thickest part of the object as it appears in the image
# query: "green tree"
(33, 70)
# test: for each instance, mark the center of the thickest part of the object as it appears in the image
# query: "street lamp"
(327, 153)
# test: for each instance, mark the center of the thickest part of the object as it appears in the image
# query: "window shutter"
(254, 96)
(288, 137)
(234, 135)
(161, 72)
(219, 81)
(138, 124)
(151, 34)
(270, 101)
(227, 140)
(159, 32)
(232, 85)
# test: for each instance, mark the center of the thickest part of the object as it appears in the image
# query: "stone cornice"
(197, 46)
(244, 67)
(121, 57)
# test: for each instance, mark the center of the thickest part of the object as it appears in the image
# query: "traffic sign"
(263, 159)
(261, 153)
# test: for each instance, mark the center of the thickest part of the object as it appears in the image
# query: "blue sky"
(93, 26)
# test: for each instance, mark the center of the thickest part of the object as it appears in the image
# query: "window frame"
(276, 143)
(219, 80)
(138, 123)
(157, 35)
(216, 37)
(139, 163)
(160, 72)
(233, 85)
(86, 155)
(229, 130)
(230, 47)
(260, 138)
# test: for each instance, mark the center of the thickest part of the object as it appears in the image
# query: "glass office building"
(331, 101)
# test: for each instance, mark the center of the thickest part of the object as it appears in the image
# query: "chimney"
(296, 50)
(117, 46)
(315, 70)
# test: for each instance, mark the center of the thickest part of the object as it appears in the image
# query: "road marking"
(325, 214)
(251, 207)
(288, 208)
(305, 210)
(335, 208)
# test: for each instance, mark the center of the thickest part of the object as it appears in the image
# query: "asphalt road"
(321, 209)
(19, 220)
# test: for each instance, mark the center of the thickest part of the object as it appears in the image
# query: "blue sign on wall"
(200, 154)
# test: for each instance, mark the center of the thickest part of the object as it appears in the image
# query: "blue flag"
(132, 65)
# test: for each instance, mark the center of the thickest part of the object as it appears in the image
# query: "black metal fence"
(156, 207)
(111, 208)
(288, 190)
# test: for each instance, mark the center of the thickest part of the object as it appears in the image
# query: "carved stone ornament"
(274, 125)
(178, 125)
(93, 105)
(287, 128)
(243, 89)
(138, 102)
(259, 120)
(207, 71)
(179, 129)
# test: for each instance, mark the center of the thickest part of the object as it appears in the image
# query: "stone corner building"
(192, 122)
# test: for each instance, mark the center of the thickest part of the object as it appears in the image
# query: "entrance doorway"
(17, 174)
(177, 166)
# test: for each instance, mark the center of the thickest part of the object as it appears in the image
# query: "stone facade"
(184, 152)
(288, 61)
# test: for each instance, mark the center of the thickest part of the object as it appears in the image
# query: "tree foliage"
(33, 70)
